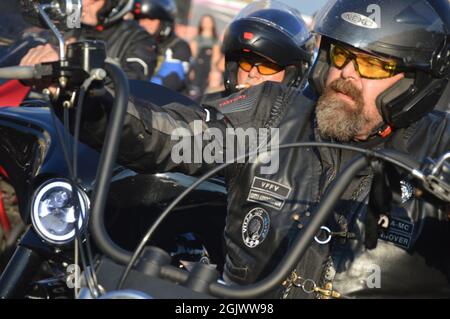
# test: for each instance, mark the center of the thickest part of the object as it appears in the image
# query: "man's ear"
(98, 4)
(93, 4)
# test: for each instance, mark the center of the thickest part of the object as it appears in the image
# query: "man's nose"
(349, 71)
(254, 73)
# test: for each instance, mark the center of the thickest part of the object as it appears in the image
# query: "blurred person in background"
(206, 52)
(157, 17)
(133, 48)
(126, 43)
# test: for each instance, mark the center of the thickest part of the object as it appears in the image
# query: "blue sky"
(307, 7)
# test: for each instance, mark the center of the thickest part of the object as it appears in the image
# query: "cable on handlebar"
(91, 278)
(90, 282)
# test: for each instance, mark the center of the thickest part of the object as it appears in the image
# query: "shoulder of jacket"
(131, 28)
(428, 136)
(252, 106)
(437, 119)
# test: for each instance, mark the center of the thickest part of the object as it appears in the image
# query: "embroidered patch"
(255, 227)
(237, 103)
(399, 232)
(267, 199)
(401, 226)
(396, 239)
(407, 191)
(269, 193)
(271, 187)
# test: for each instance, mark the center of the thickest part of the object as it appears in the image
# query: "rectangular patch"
(397, 239)
(274, 188)
(401, 226)
(399, 232)
(266, 199)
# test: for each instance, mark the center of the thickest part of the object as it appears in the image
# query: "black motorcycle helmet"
(414, 32)
(272, 30)
(113, 11)
(163, 10)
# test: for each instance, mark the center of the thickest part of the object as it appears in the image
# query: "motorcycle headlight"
(53, 211)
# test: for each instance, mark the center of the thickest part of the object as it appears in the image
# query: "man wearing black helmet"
(157, 17)
(264, 45)
(381, 69)
(378, 76)
(126, 43)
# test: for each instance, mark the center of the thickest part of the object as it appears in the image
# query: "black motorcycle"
(116, 223)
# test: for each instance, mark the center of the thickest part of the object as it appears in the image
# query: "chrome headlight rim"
(35, 219)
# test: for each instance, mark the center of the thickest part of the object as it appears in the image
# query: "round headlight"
(53, 212)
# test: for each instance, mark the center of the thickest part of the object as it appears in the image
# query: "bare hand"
(37, 55)
(40, 54)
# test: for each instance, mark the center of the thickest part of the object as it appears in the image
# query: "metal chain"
(308, 286)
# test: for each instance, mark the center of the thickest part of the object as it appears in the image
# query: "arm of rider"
(152, 134)
(146, 140)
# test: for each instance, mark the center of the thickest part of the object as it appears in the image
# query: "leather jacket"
(266, 211)
(126, 43)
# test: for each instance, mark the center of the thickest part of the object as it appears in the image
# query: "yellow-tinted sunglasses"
(264, 67)
(367, 66)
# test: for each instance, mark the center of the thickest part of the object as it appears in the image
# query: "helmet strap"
(390, 96)
(319, 71)
(164, 31)
(410, 98)
(383, 130)
(104, 11)
(230, 76)
(440, 63)
(291, 76)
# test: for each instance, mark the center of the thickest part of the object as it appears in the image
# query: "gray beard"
(338, 120)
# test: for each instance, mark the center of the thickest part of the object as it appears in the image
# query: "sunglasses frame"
(353, 57)
(258, 64)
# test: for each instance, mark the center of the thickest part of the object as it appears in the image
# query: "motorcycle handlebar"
(18, 73)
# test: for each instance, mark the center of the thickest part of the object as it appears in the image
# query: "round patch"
(255, 227)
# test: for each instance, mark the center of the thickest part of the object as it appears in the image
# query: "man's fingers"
(39, 54)
(28, 59)
(46, 54)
